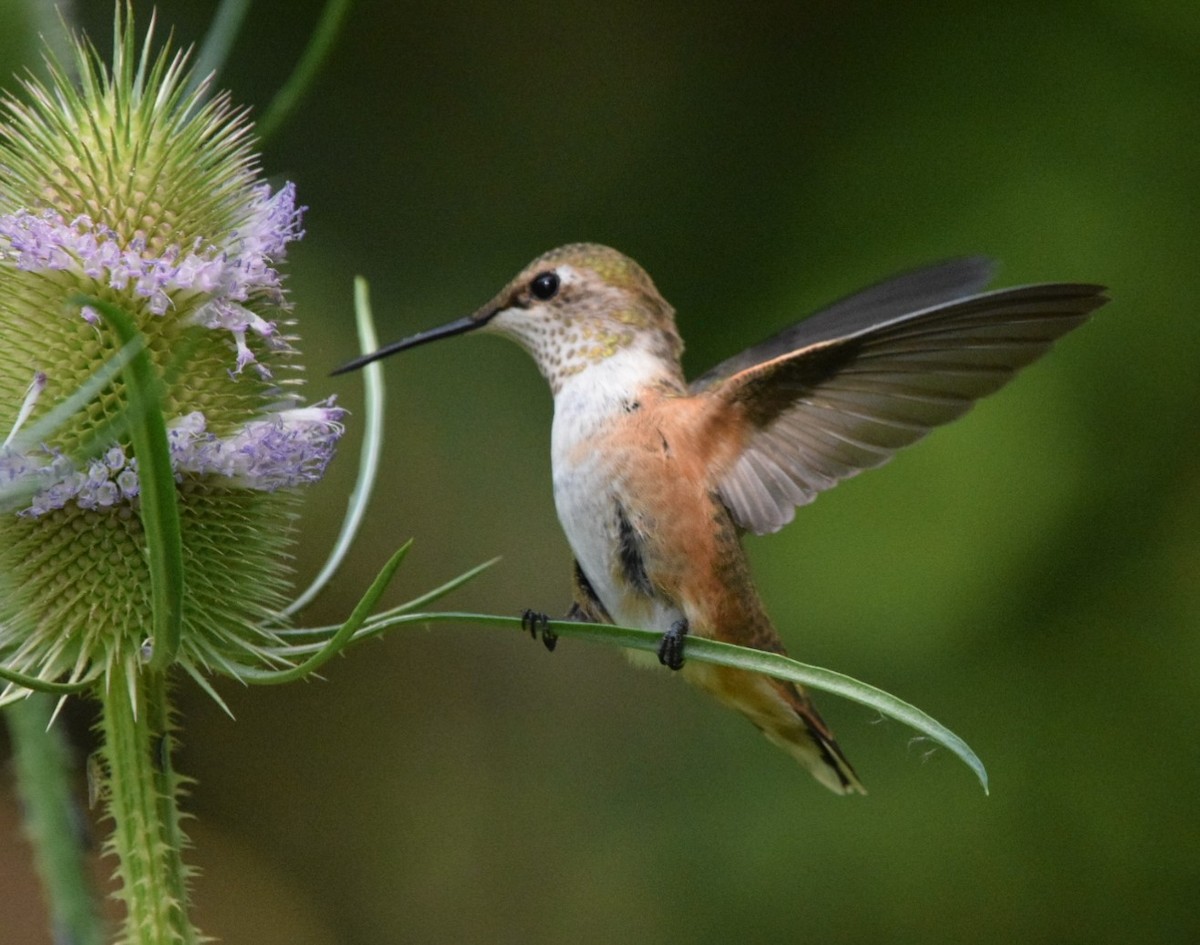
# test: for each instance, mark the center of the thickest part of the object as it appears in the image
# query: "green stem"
(319, 45)
(142, 793)
(53, 821)
(157, 496)
(169, 787)
(222, 32)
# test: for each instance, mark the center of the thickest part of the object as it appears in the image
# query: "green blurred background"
(1029, 576)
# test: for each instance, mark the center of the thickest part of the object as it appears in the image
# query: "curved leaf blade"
(158, 501)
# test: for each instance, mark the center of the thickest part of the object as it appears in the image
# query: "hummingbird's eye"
(544, 285)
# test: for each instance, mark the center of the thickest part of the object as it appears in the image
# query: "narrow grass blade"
(339, 640)
(158, 501)
(42, 685)
(726, 654)
(372, 448)
(218, 41)
(319, 45)
(54, 418)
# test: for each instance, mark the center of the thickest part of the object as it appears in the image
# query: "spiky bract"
(123, 186)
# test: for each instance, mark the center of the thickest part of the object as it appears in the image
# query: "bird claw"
(534, 621)
(670, 650)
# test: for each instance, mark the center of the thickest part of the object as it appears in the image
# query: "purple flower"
(238, 270)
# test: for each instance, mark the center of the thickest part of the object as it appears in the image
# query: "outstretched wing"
(843, 390)
(868, 308)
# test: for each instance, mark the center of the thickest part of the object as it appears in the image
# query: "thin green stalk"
(338, 641)
(372, 448)
(319, 45)
(159, 502)
(723, 654)
(53, 822)
(141, 791)
(168, 785)
(222, 32)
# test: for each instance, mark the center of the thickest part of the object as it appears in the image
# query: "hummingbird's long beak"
(469, 323)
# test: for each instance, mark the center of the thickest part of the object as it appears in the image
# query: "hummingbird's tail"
(786, 716)
(804, 735)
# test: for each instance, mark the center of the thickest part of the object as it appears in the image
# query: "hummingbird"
(656, 479)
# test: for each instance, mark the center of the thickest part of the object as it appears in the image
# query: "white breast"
(588, 486)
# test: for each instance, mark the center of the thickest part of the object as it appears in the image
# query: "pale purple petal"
(238, 270)
(289, 448)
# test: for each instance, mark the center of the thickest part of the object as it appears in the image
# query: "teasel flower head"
(123, 189)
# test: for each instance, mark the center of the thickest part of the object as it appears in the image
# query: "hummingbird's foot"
(533, 621)
(670, 650)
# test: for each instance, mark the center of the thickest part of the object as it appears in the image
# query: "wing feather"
(825, 402)
(876, 305)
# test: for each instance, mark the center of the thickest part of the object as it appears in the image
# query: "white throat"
(586, 400)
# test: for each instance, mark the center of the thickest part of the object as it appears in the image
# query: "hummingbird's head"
(571, 308)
